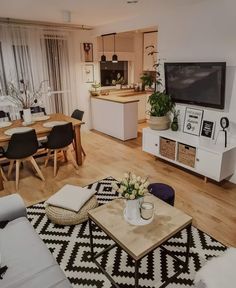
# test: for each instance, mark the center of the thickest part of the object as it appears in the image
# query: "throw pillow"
(71, 197)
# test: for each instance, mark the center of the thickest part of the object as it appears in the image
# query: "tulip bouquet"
(131, 186)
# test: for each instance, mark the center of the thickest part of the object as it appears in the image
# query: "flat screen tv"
(200, 83)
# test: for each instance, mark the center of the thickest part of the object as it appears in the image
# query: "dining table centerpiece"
(132, 188)
(25, 97)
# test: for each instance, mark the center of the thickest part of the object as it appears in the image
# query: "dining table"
(42, 131)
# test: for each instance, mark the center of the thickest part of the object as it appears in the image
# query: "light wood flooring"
(212, 205)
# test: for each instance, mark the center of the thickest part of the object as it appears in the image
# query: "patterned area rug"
(70, 246)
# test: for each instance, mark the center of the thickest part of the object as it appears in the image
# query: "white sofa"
(30, 263)
(219, 272)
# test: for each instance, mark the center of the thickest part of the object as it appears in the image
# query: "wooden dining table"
(42, 131)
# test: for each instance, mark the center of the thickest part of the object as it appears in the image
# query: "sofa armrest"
(12, 207)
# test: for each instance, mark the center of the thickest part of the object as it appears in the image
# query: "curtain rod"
(43, 24)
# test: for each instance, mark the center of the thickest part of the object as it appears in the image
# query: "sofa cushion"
(30, 264)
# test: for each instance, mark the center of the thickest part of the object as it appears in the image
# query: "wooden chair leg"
(55, 163)
(36, 167)
(10, 168)
(3, 174)
(72, 159)
(65, 155)
(47, 157)
(17, 173)
(83, 151)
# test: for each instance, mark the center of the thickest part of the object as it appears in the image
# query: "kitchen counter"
(121, 96)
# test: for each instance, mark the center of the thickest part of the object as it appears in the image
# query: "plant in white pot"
(160, 106)
(24, 97)
(132, 188)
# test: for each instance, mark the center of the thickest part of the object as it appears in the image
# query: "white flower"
(120, 190)
(127, 195)
(132, 197)
(133, 176)
(126, 175)
(125, 182)
(146, 184)
(145, 191)
(140, 192)
(136, 186)
(143, 180)
(138, 179)
(115, 186)
(141, 187)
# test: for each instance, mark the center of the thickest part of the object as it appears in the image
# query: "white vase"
(132, 209)
(27, 115)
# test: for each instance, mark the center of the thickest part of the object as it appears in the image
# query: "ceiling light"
(132, 1)
(114, 56)
(103, 57)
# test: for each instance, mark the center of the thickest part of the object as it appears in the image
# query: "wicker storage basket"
(167, 148)
(62, 216)
(186, 155)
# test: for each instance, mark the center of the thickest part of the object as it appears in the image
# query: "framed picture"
(88, 73)
(208, 129)
(193, 121)
(87, 52)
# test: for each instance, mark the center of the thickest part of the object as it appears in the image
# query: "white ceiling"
(84, 12)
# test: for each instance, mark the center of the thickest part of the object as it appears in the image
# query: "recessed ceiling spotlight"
(132, 1)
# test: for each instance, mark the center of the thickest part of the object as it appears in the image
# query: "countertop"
(122, 96)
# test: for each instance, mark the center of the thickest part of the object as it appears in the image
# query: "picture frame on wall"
(193, 121)
(87, 52)
(88, 73)
(208, 129)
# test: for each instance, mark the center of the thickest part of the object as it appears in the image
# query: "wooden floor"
(212, 205)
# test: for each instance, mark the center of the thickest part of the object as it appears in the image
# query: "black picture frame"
(208, 129)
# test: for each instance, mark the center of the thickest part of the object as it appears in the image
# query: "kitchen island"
(116, 114)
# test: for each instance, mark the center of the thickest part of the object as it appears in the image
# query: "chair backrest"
(77, 114)
(34, 110)
(60, 136)
(5, 115)
(22, 145)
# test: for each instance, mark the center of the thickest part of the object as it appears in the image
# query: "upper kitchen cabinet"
(149, 50)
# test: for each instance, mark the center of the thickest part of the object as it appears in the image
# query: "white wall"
(194, 30)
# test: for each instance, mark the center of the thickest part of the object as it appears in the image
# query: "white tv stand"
(208, 159)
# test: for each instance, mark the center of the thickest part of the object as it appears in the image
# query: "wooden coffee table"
(138, 241)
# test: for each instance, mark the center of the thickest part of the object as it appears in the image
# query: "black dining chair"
(78, 114)
(22, 146)
(59, 139)
(5, 115)
(35, 110)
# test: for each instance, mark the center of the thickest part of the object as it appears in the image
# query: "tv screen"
(200, 83)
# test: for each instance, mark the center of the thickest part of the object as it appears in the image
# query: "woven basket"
(167, 148)
(63, 216)
(186, 155)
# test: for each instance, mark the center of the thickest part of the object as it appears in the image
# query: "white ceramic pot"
(159, 123)
(27, 115)
(132, 209)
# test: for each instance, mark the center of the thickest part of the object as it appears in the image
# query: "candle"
(147, 210)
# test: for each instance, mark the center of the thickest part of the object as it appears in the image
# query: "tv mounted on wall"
(195, 83)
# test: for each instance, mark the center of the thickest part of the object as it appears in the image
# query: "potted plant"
(95, 86)
(174, 125)
(147, 81)
(160, 105)
(119, 81)
(132, 188)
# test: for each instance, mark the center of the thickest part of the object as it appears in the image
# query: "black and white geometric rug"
(70, 246)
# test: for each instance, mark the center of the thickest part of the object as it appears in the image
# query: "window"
(111, 72)
(23, 64)
(3, 81)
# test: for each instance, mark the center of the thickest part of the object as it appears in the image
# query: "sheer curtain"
(36, 54)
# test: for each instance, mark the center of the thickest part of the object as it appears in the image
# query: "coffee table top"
(138, 241)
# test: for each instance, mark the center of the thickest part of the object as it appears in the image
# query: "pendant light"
(114, 56)
(103, 57)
